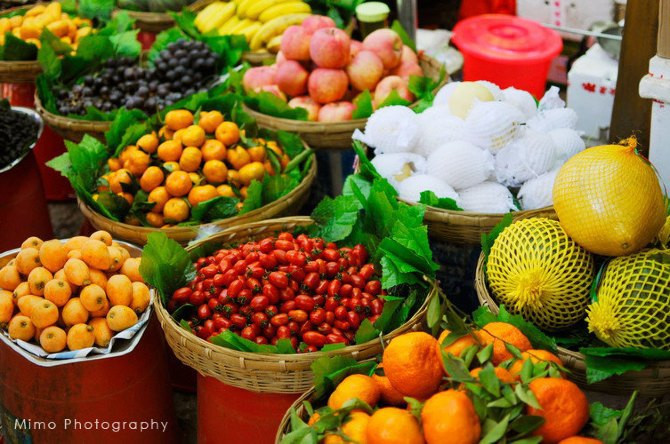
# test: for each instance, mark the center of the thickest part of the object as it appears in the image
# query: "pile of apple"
(321, 69)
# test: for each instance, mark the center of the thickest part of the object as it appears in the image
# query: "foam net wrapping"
(537, 271)
(633, 301)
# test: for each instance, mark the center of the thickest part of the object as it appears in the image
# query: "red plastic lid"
(499, 37)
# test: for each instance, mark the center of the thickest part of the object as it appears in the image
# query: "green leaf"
(16, 49)
(600, 368)
(366, 332)
(485, 354)
(49, 61)
(214, 209)
(363, 104)
(394, 99)
(527, 396)
(529, 440)
(400, 30)
(446, 203)
(434, 313)
(95, 48)
(415, 406)
(268, 103)
(183, 324)
(514, 351)
(489, 380)
(165, 265)
(456, 369)
(254, 197)
(336, 217)
(291, 143)
(233, 341)
(331, 370)
(526, 424)
(489, 239)
(101, 9)
(496, 432)
(527, 371)
(125, 44)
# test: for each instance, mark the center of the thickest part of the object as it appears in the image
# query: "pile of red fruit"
(322, 70)
(299, 288)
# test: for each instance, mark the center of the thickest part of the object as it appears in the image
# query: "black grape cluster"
(183, 68)
(17, 131)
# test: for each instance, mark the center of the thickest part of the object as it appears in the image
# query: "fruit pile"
(18, 131)
(322, 70)
(261, 22)
(185, 164)
(299, 288)
(154, 5)
(183, 68)
(411, 398)
(71, 294)
(29, 27)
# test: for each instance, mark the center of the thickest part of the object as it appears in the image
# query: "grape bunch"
(181, 69)
(17, 131)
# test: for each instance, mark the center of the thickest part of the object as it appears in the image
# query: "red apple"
(292, 78)
(336, 112)
(355, 48)
(280, 58)
(407, 69)
(327, 85)
(258, 77)
(295, 43)
(390, 84)
(386, 44)
(308, 104)
(329, 48)
(365, 70)
(314, 22)
(408, 55)
(274, 90)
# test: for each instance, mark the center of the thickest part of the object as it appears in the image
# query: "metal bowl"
(40, 126)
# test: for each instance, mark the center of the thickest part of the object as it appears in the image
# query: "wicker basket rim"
(160, 17)
(52, 119)
(464, 213)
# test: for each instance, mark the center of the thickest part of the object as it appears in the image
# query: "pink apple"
(327, 85)
(336, 112)
(408, 55)
(258, 77)
(314, 22)
(329, 48)
(407, 69)
(292, 78)
(295, 43)
(390, 84)
(274, 90)
(365, 70)
(280, 58)
(308, 104)
(355, 48)
(387, 45)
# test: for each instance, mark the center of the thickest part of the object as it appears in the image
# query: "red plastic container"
(132, 388)
(235, 416)
(146, 39)
(508, 51)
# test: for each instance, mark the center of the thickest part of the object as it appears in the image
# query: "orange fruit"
(169, 151)
(251, 171)
(580, 440)
(114, 163)
(119, 290)
(178, 134)
(238, 157)
(178, 183)
(57, 291)
(212, 149)
(178, 119)
(26, 260)
(176, 210)
(502, 374)
(234, 177)
(27, 303)
(148, 142)
(497, 332)
(127, 151)
(9, 277)
(201, 193)
(215, 171)
(75, 243)
(80, 336)
(190, 159)
(121, 317)
(102, 312)
(137, 162)
(194, 135)
(256, 153)
(21, 327)
(141, 297)
(227, 133)
(115, 258)
(44, 314)
(412, 364)
(152, 177)
(391, 425)
(120, 177)
(160, 196)
(74, 254)
(165, 132)
(96, 254)
(98, 277)
(171, 166)
(355, 427)
(21, 290)
(244, 192)
(53, 255)
(6, 307)
(449, 417)
(389, 395)
(53, 339)
(101, 331)
(535, 356)
(355, 386)
(103, 236)
(74, 312)
(210, 121)
(225, 191)
(32, 241)
(455, 348)
(564, 408)
(127, 196)
(131, 268)
(37, 279)
(76, 272)
(93, 297)
(195, 178)
(155, 220)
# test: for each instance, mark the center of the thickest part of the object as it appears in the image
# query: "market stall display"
(156, 16)
(184, 168)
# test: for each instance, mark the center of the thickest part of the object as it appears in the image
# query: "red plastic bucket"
(235, 416)
(508, 51)
(146, 39)
(89, 402)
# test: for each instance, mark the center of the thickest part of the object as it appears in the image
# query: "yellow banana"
(204, 15)
(230, 24)
(275, 27)
(243, 6)
(261, 5)
(251, 30)
(241, 26)
(274, 44)
(292, 7)
(219, 17)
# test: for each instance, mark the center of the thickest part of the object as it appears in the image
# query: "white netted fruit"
(567, 141)
(537, 192)
(521, 99)
(460, 164)
(487, 197)
(392, 129)
(551, 100)
(437, 126)
(410, 189)
(528, 157)
(494, 89)
(396, 167)
(443, 95)
(492, 125)
(552, 119)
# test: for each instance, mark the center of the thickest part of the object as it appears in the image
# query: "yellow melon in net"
(537, 271)
(663, 237)
(633, 301)
(609, 200)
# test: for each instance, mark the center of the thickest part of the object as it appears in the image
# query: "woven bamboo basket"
(257, 372)
(289, 204)
(156, 22)
(334, 135)
(652, 381)
(18, 71)
(72, 129)
(299, 407)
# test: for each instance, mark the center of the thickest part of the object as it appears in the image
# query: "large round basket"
(72, 129)
(334, 135)
(299, 407)
(18, 71)
(270, 373)
(286, 205)
(652, 381)
(156, 22)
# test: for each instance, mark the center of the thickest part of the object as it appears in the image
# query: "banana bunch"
(260, 21)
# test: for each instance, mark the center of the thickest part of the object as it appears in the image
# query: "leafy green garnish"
(400, 30)
(363, 104)
(165, 265)
(445, 203)
(331, 370)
